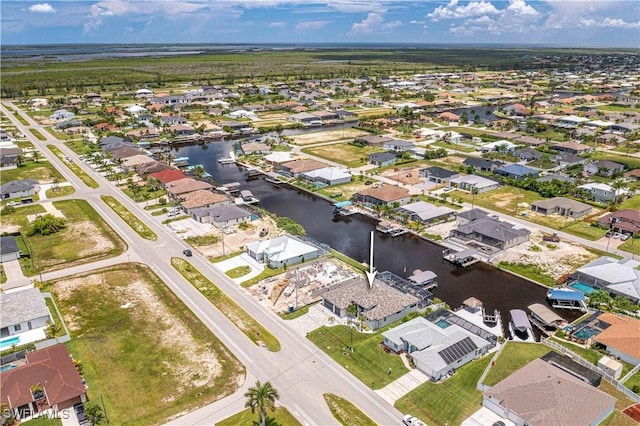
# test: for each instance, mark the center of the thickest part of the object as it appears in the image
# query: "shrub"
(46, 225)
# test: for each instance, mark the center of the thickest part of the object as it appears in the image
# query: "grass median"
(241, 318)
(132, 220)
(345, 412)
(84, 177)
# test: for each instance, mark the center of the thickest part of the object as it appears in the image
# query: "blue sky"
(550, 22)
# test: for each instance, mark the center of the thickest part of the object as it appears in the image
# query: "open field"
(368, 361)
(504, 199)
(585, 230)
(327, 136)
(343, 153)
(449, 402)
(142, 349)
(42, 171)
(86, 238)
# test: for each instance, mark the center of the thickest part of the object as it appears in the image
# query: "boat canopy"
(520, 320)
(545, 314)
(342, 204)
(565, 295)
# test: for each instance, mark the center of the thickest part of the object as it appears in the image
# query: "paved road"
(300, 371)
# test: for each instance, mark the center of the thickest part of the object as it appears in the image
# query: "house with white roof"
(619, 277)
(471, 182)
(281, 251)
(424, 212)
(436, 350)
(601, 192)
(502, 144)
(327, 176)
(22, 311)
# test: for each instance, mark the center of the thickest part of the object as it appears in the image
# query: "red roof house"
(169, 175)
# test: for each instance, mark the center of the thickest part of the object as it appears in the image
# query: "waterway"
(401, 255)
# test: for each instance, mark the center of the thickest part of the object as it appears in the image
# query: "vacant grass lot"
(141, 348)
(42, 171)
(368, 362)
(281, 416)
(37, 134)
(449, 402)
(84, 177)
(86, 238)
(132, 220)
(585, 230)
(344, 153)
(503, 199)
(346, 413)
(513, 357)
(531, 271)
(327, 136)
(241, 318)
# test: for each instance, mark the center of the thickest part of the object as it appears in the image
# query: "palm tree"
(35, 155)
(618, 186)
(261, 397)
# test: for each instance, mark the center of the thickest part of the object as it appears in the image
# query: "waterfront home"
(132, 162)
(384, 195)
(296, 168)
(282, 251)
(601, 192)
(183, 186)
(473, 182)
(327, 176)
(221, 216)
(481, 164)
(623, 221)
(469, 216)
(19, 188)
(169, 175)
(621, 338)
(382, 159)
(202, 198)
(426, 213)
(618, 277)
(516, 171)
(490, 232)
(373, 140)
(22, 311)
(251, 148)
(378, 305)
(604, 168)
(437, 174)
(172, 120)
(561, 206)
(542, 394)
(305, 118)
(436, 349)
(48, 380)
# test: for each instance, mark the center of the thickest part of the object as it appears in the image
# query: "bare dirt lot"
(408, 175)
(327, 136)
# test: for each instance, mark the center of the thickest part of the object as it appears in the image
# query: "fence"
(62, 339)
(480, 386)
(577, 358)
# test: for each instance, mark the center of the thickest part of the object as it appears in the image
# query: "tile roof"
(386, 193)
(168, 175)
(623, 334)
(201, 198)
(185, 185)
(301, 166)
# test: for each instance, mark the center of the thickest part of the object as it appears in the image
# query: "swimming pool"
(442, 323)
(586, 289)
(8, 367)
(15, 340)
(585, 332)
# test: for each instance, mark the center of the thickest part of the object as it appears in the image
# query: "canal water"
(401, 255)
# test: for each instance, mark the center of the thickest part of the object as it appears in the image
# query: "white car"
(410, 420)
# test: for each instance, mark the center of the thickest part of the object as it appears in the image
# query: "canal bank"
(350, 235)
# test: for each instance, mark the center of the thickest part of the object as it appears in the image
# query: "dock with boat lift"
(461, 258)
(343, 208)
(390, 229)
(567, 299)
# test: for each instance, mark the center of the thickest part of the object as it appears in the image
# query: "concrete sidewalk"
(402, 386)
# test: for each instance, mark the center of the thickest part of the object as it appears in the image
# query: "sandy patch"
(236, 241)
(87, 231)
(328, 136)
(408, 175)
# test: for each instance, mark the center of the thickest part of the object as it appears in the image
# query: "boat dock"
(545, 319)
(253, 174)
(273, 177)
(567, 299)
(462, 258)
(424, 279)
(226, 160)
(390, 229)
(181, 161)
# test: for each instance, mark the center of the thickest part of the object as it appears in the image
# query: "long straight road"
(300, 371)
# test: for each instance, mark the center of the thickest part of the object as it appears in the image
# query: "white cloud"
(608, 23)
(415, 22)
(311, 25)
(41, 8)
(517, 17)
(92, 26)
(453, 11)
(521, 8)
(373, 23)
(276, 24)
(571, 14)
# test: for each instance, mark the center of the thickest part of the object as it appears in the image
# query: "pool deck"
(30, 336)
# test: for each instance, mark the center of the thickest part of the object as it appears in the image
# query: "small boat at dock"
(462, 258)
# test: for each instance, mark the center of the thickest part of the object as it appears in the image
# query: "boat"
(520, 327)
(273, 177)
(226, 160)
(545, 319)
(253, 174)
(247, 197)
(462, 258)
(181, 161)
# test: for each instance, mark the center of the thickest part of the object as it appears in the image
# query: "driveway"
(402, 386)
(13, 270)
(241, 260)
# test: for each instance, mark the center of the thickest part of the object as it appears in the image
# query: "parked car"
(616, 235)
(625, 237)
(410, 420)
(82, 418)
(608, 234)
(187, 253)
(13, 203)
(448, 188)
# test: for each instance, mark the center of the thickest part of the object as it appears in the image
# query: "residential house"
(22, 311)
(382, 159)
(202, 198)
(571, 147)
(555, 176)
(517, 172)
(562, 206)
(126, 151)
(567, 160)
(623, 221)
(251, 148)
(379, 304)
(397, 145)
(327, 176)
(531, 141)
(178, 187)
(384, 195)
(621, 338)
(373, 140)
(632, 174)
(436, 351)
(437, 174)
(528, 154)
(448, 117)
(604, 168)
(182, 130)
(236, 126)
(297, 167)
(280, 251)
(54, 371)
(570, 121)
(469, 216)
(168, 175)
(61, 115)
(172, 120)
(150, 168)
(472, 182)
(491, 232)
(601, 192)
(502, 145)
(135, 161)
(426, 213)
(540, 393)
(618, 277)
(305, 118)
(8, 248)
(326, 116)
(19, 188)
(221, 216)
(481, 164)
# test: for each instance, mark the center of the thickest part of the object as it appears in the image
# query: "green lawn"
(530, 271)
(632, 245)
(280, 417)
(514, 356)
(630, 162)
(585, 230)
(296, 314)
(38, 135)
(453, 146)
(503, 199)
(266, 273)
(61, 191)
(631, 203)
(241, 318)
(87, 238)
(132, 220)
(42, 171)
(43, 421)
(141, 348)
(84, 177)
(343, 153)
(345, 412)
(449, 402)
(368, 361)
(238, 272)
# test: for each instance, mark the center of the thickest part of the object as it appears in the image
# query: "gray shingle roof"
(21, 306)
(8, 244)
(18, 186)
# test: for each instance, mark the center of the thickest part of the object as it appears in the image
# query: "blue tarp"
(565, 295)
(341, 204)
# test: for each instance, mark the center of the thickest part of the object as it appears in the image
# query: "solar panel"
(458, 350)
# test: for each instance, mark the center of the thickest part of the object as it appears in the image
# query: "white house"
(281, 251)
(62, 115)
(22, 311)
(601, 192)
(327, 176)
